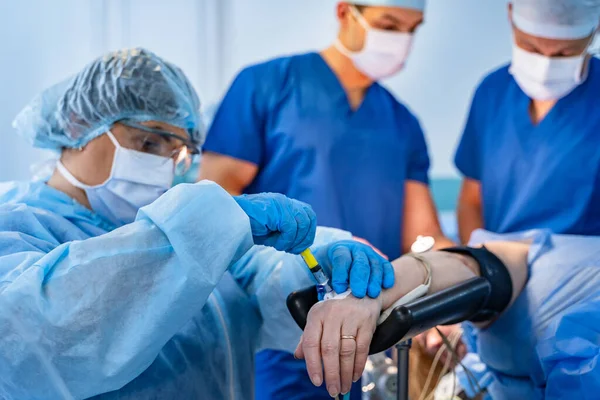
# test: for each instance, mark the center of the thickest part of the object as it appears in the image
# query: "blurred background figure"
(319, 128)
(529, 151)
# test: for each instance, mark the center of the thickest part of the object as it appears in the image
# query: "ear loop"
(588, 57)
(360, 18)
(365, 25)
(74, 181)
(69, 177)
(113, 139)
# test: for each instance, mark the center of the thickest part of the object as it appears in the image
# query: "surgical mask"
(384, 52)
(547, 78)
(136, 180)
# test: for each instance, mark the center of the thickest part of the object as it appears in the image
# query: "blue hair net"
(416, 4)
(130, 84)
(557, 19)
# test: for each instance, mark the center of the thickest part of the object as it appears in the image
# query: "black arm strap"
(496, 273)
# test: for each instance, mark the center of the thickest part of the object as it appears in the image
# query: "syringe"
(323, 286)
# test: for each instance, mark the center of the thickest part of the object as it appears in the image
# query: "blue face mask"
(136, 180)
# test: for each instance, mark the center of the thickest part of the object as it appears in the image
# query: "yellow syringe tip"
(309, 258)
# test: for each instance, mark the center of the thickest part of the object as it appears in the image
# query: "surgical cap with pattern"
(130, 84)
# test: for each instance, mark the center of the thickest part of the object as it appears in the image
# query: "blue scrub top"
(535, 176)
(291, 117)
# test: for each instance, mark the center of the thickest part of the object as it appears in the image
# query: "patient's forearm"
(450, 269)
(446, 269)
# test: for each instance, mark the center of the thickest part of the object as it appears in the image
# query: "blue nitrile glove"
(280, 222)
(357, 265)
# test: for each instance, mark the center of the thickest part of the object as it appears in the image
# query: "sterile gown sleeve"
(238, 126)
(90, 316)
(269, 277)
(570, 354)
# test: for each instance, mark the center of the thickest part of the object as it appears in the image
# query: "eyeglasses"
(162, 143)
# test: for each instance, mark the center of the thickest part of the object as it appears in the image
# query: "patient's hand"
(328, 345)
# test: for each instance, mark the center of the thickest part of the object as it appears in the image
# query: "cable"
(455, 338)
(472, 379)
(436, 359)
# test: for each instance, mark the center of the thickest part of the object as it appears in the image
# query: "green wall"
(445, 193)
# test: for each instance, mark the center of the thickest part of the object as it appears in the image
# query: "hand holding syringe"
(346, 256)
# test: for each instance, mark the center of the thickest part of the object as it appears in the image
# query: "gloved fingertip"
(359, 292)
(388, 284)
(296, 250)
(389, 278)
(339, 287)
(374, 291)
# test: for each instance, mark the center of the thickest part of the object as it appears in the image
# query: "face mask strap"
(360, 18)
(113, 139)
(363, 22)
(69, 177)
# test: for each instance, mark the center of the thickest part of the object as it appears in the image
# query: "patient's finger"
(330, 351)
(347, 355)
(363, 342)
(311, 350)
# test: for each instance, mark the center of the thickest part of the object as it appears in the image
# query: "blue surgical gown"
(291, 117)
(535, 176)
(173, 306)
(547, 344)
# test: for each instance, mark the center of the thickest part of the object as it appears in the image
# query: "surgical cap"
(416, 4)
(557, 19)
(132, 84)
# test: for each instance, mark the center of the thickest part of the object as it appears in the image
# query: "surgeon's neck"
(539, 109)
(354, 82)
(58, 182)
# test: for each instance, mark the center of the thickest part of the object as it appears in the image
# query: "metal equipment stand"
(403, 349)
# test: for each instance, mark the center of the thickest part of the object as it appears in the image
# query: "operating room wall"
(42, 42)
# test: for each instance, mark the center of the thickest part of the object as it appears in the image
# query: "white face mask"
(136, 180)
(384, 52)
(546, 78)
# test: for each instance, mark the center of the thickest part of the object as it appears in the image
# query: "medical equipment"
(478, 297)
(323, 286)
(447, 307)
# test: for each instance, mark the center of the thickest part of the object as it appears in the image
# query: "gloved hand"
(280, 222)
(358, 266)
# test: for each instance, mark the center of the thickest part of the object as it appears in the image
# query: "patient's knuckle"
(348, 348)
(362, 347)
(329, 347)
(310, 342)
